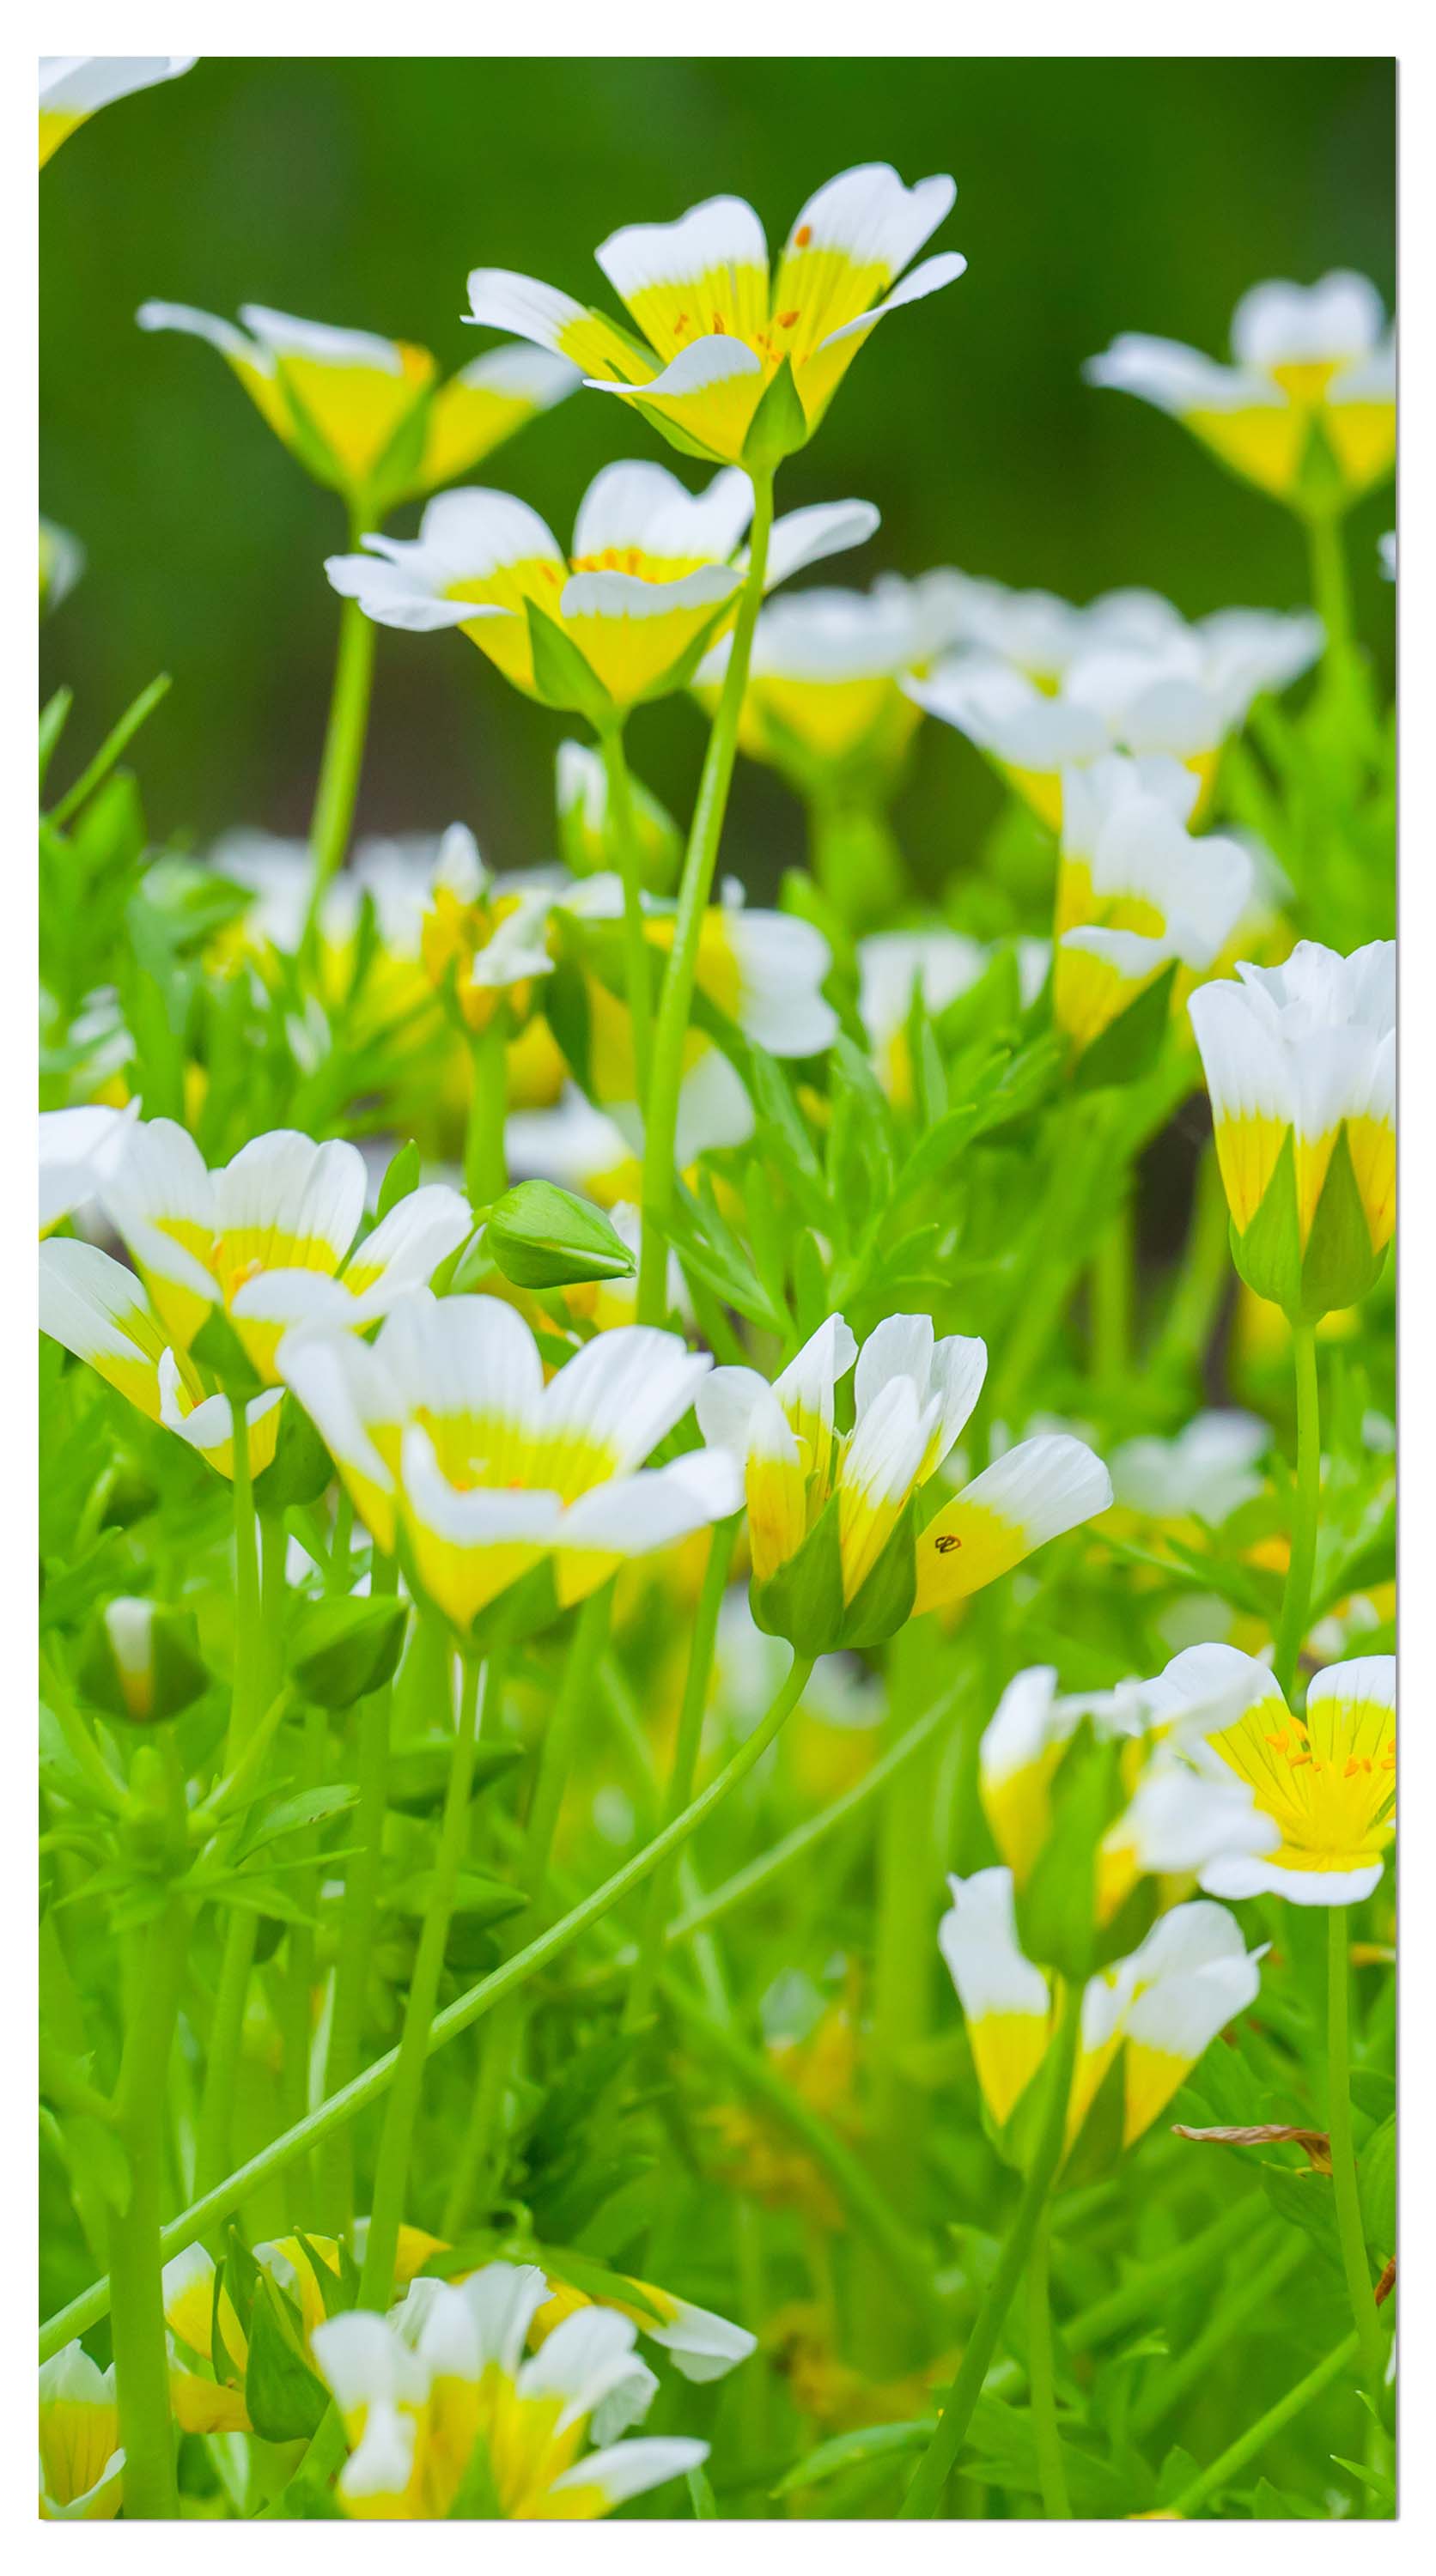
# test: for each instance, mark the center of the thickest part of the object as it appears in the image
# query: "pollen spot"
(802, 236)
(787, 320)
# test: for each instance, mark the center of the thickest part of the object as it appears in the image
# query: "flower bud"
(141, 1662)
(543, 1237)
(347, 1648)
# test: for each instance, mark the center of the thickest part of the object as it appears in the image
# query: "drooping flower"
(82, 2466)
(73, 87)
(79, 1149)
(365, 415)
(1326, 1779)
(99, 1311)
(716, 327)
(823, 699)
(1300, 1061)
(1125, 674)
(270, 1239)
(1136, 893)
(1308, 408)
(654, 572)
(441, 2408)
(1160, 2008)
(447, 1438)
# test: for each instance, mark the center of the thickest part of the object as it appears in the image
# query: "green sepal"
(1129, 1046)
(562, 676)
(284, 2399)
(301, 1468)
(217, 1347)
(401, 1179)
(1128, 1927)
(883, 1603)
(476, 2498)
(176, 1674)
(1057, 1906)
(779, 426)
(803, 1600)
(1268, 1255)
(344, 1649)
(681, 672)
(541, 1236)
(1340, 1267)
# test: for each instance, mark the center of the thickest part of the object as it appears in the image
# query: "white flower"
(74, 86)
(79, 1149)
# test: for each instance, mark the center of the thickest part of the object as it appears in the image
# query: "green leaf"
(401, 1178)
(1056, 1909)
(849, 2450)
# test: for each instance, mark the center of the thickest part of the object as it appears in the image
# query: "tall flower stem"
(258, 1609)
(1330, 583)
(661, 1121)
(630, 865)
(136, 2255)
(474, 2168)
(343, 747)
(924, 2496)
(283, 2152)
(486, 1172)
(356, 1924)
(905, 1945)
(1296, 1599)
(391, 2180)
(1042, 2379)
(1350, 2227)
(653, 1939)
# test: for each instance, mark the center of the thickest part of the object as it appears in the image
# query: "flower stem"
(1296, 1600)
(356, 1924)
(1350, 2228)
(258, 1611)
(630, 863)
(136, 2252)
(391, 2178)
(1330, 583)
(343, 749)
(924, 2496)
(1111, 1288)
(486, 1172)
(283, 2152)
(1257, 2435)
(685, 1764)
(661, 1121)
(1041, 2379)
(1196, 1299)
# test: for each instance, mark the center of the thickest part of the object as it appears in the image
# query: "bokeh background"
(1092, 196)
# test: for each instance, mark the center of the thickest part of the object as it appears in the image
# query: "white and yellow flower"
(1300, 1061)
(1326, 1780)
(366, 415)
(823, 690)
(441, 2407)
(1201, 1475)
(1125, 674)
(654, 572)
(1161, 2008)
(1033, 1493)
(483, 943)
(269, 1240)
(73, 87)
(701, 2345)
(82, 2466)
(79, 1150)
(717, 325)
(444, 1433)
(98, 1310)
(1307, 410)
(1136, 892)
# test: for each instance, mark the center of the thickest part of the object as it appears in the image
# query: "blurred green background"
(1093, 196)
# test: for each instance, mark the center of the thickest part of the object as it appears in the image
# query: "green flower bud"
(347, 1648)
(543, 1237)
(141, 1661)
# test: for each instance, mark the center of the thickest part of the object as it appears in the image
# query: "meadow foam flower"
(823, 694)
(82, 2466)
(1307, 409)
(448, 1440)
(270, 1239)
(717, 325)
(73, 87)
(1300, 1061)
(484, 945)
(441, 2408)
(366, 415)
(1126, 674)
(208, 2347)
(1326, 1779)
(824, 1505)
(1159, 2009)
(98, 1310)
(1204, 1473)
(654, 571)
(1136, 892)
(79, 1149)
(701, 2345)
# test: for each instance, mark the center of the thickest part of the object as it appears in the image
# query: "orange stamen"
(802, 236)
(787, 320)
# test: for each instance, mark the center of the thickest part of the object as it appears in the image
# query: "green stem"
(486, 1172)
(685, 1766)
(248, 1629)
(391, 2180)
(637, 954)
(356, 1925)
(343, 748)
(661, 1122)
(1350, 2228)
(258, 1614)
(1112, 1299)
(296, 1995)
(282, 2152)
(924, 2496)
(1257, 2436)
(136, 2250)
(904, 1946)
(109, 751)
(1296, 1599)
(1330, 583)
(1205, 1273)
(1042, 2379)
(1244, 2297)
(473, 2171)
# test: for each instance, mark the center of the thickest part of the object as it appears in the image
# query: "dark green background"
(1092, 196)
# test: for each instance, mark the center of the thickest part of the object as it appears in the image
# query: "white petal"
(287, 337)
(1280, 324)
(713, 360)
(644, 505)
(944, 270)
(978, 1940)
(868, 213)
(503, 2299)
(809, 536)
(623, 1391)
(284, 1185)
(631, 2468)
(722, 233)
(231, 343)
